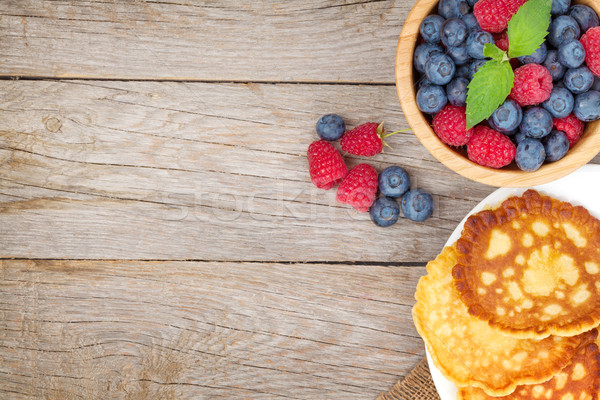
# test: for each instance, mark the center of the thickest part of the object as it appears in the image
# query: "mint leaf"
(492, 51)
(489, 88)
(528, 28)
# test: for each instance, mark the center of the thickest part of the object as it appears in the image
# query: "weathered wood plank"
(300, 40)
(173, 171)
(188, 330)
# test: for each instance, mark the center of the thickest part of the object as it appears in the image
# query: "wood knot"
(53, 124)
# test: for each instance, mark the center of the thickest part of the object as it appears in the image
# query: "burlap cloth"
(416, 386)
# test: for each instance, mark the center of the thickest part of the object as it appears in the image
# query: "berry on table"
(556, 146)
(571, 126)
(364, 140)
(417, 205)
(456, 91)
(554, 67)
(453, 8)
(532, 85)
(326, 165)
(587, 106)
(537, 57)
(560, 102)
(440, 69)
(579, 80)
(330, 127)
(384, 212)
(490, 148)
(530, 154)
(507, 117)
(537, 122)
(431, 99)
(585, 16)
(422, 54)
(359, 187)
(571, 54)
(450, 125)
(562, 29)
(394, 181)
(431, 28)
(591, 43)
(476, 42)
(454, 32)
(493, 15)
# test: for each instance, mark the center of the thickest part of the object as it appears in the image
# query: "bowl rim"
(586, 149)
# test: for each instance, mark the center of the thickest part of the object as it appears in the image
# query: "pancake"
(471, 353)
(580, 380)
(531, 267)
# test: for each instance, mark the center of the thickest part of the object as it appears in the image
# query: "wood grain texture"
(456, 159)
(188, 330)
(132, 170)
(299, 40)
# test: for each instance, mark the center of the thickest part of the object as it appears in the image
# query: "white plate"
(579, 188)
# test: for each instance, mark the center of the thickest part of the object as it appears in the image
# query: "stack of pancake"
(510, 310)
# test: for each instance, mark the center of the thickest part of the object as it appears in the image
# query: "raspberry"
(571, 126)
(325, 165)
(493, 15)
(490, 148)
(450, 125)
(364, 140)
(501, 40)
(591, 43)
(533, 85)
(359, 187)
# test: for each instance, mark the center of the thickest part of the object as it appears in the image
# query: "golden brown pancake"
(580, 380)
(471, 353)
(531, 267)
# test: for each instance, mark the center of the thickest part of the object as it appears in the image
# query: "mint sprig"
(494, 80)
(528, 28)
(481, 100)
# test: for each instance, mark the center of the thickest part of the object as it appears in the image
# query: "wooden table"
(159, 234)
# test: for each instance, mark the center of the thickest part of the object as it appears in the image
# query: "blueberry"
(462, 71)
(475, 42)
(454, 32)
(587, 106)
(431, 99)
(585, 16)
(330, 127)
(394, 181)
(494, 127)
(431, 28)
(423, 81)
(560, 102)
(472, 2)
(422, 53)
(556, 146)
(556, 69)
(560, 7)
(384, 211)
(537, 56)
(471, 22)
(563, 29)
(571, 54)
(417, 205)
(453, 8)
(507, 117)
(519, 137)
(440, 69)
(474, 67)
(459, 54)
(536, 122)
(579, 80)
(530, 154)
(596, 85)
(456, 91)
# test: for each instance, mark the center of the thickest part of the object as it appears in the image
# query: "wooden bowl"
(456, 159)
